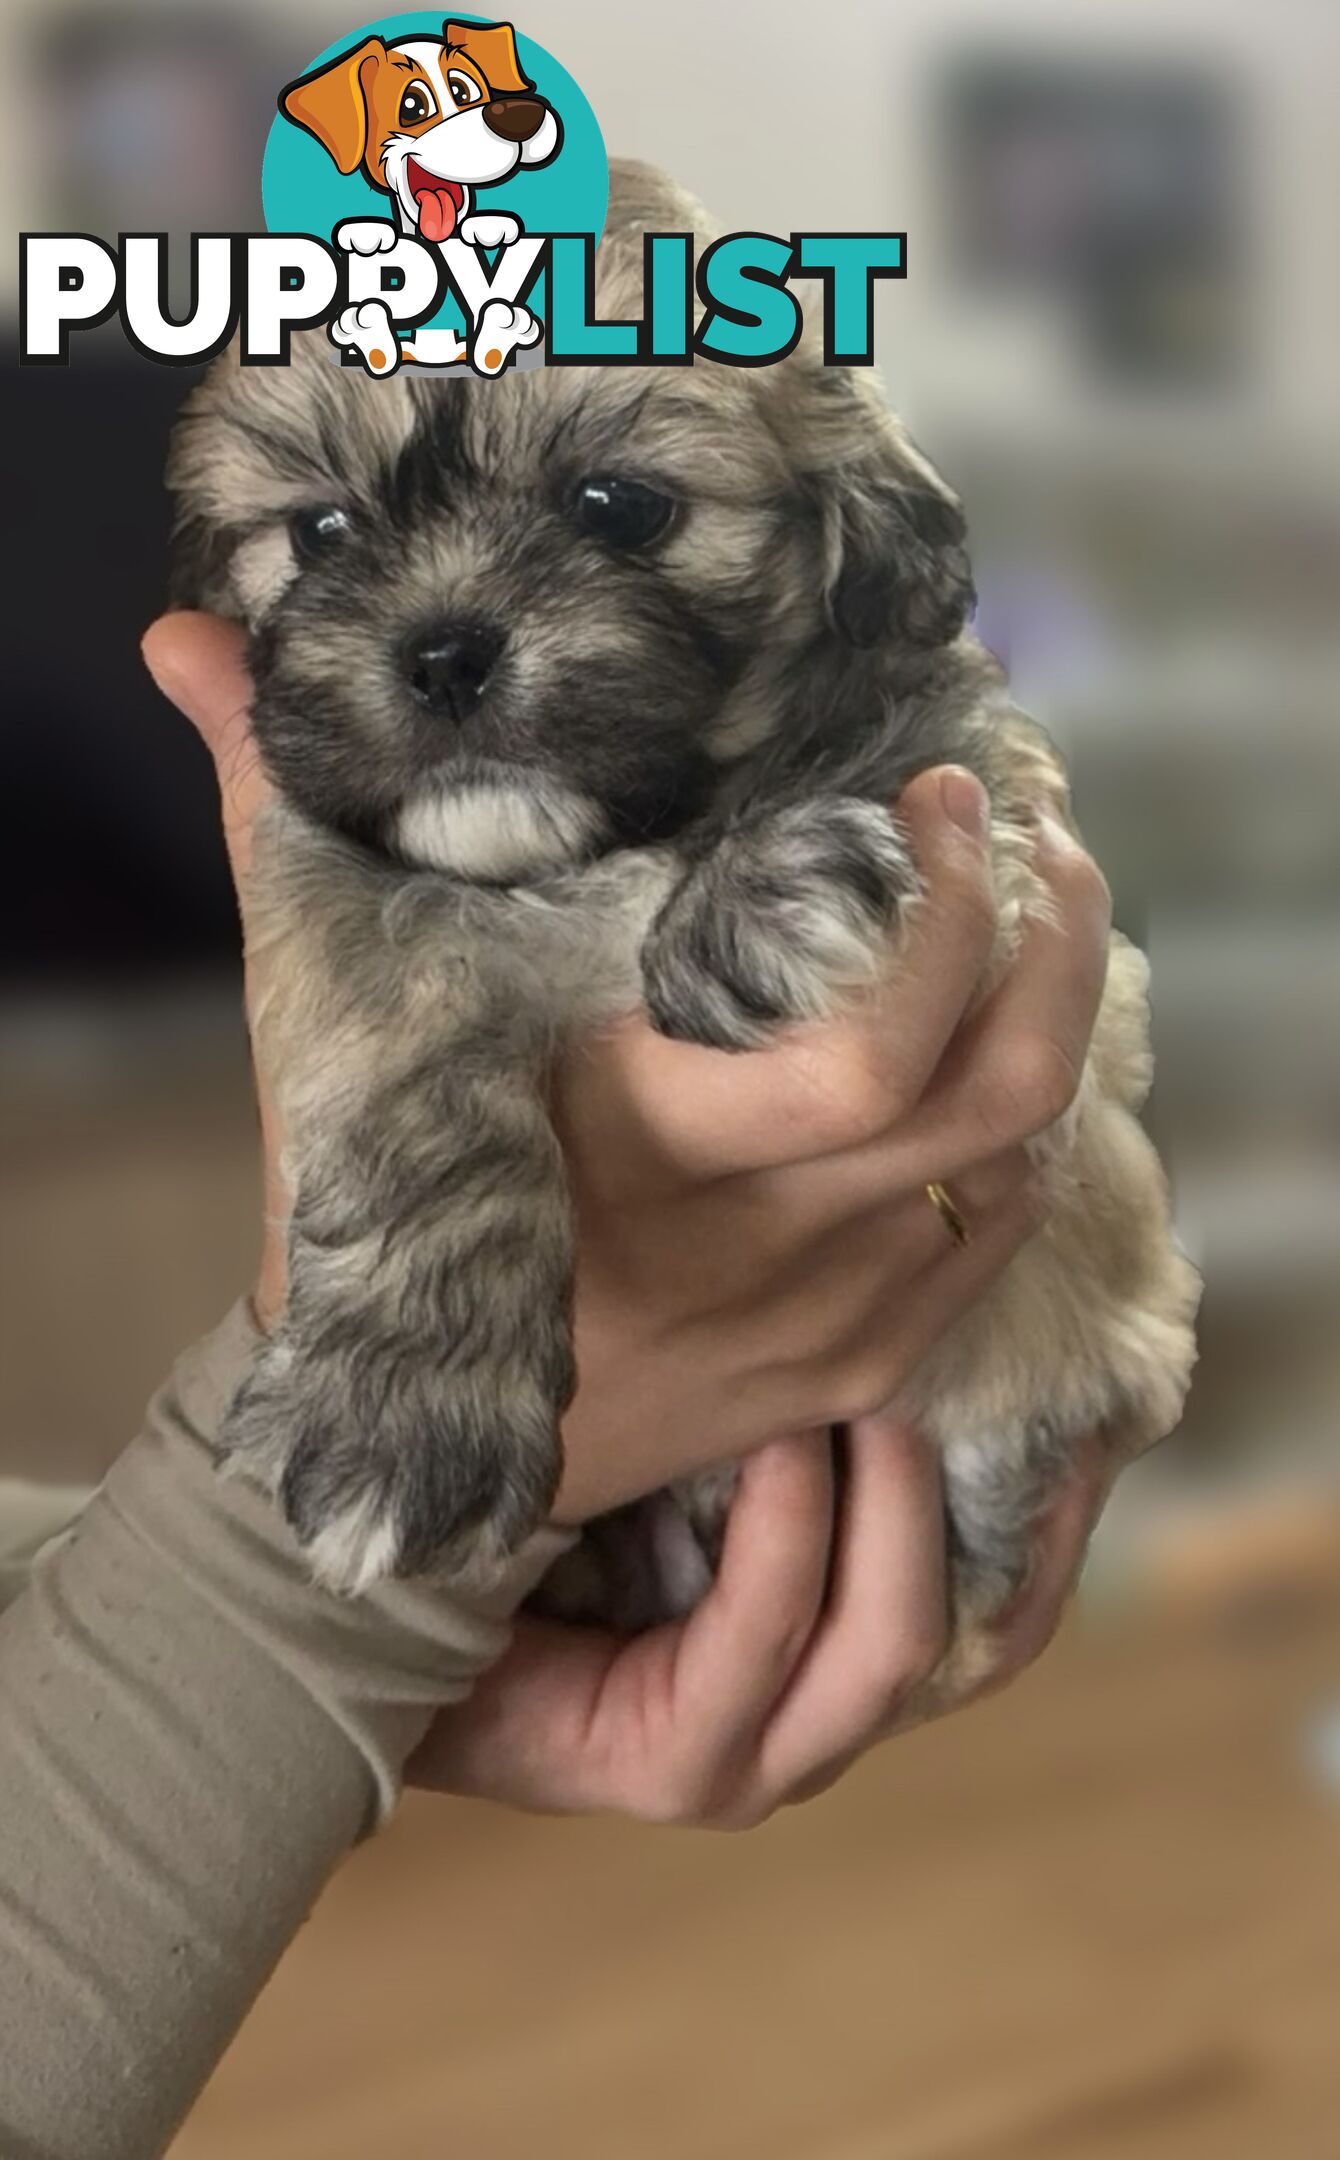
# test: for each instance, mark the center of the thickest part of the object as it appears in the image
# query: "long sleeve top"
(191, 1736)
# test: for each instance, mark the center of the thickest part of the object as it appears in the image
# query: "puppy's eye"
(464, 89)
(416, 105)
(622, 513)
(315, 532)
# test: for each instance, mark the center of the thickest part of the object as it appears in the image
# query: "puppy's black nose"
(450, 665)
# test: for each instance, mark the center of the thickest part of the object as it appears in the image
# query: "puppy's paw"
(453, 1500)
(504, 327)
(490, 229)
(388, 1467)
(783, 921)
(366, 236)
(368, 330)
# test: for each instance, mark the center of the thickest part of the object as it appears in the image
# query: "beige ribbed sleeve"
(191, 1735)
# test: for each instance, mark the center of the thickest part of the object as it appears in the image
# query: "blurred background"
(1098, 1916)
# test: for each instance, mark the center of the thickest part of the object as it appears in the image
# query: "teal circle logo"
(438, 129)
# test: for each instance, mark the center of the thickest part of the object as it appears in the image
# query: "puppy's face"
(503, 625)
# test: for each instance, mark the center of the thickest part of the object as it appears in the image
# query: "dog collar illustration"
(430, 121)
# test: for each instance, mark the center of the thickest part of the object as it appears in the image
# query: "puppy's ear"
(332, 104)
(895, 563)
(492, 47)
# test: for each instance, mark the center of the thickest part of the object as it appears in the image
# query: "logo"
(433, 193)
(459, 136)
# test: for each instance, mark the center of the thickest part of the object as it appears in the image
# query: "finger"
(872, 1369)
(1021, 1635)
(199, 663)
(737, 1654)
(1015, 1067)
(868, 1182)
(835, 1085)
(523, 1736)
(844, 1083)
(574, 1719)
(886, 1623)
(950, 932)
(578, 1720)
(846, 1357)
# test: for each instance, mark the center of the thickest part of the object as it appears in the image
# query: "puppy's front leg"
(406, 1413)
(787, 914)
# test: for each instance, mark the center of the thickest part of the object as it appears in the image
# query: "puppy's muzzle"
(516, 119)
(449, 665)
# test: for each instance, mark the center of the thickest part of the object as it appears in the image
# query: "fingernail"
(965, 801)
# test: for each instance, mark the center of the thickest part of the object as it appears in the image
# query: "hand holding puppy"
(746, 1229)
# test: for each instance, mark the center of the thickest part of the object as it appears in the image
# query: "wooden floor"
(1097, 1918)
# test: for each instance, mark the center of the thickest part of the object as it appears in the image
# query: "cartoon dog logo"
(429, 121)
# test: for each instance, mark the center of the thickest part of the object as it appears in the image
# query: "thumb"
(199, 663)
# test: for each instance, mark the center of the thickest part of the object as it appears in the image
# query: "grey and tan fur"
(529, 774)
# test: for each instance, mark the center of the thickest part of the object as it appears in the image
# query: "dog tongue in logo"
(439, 202)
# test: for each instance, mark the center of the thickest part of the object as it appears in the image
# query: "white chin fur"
(496, 831)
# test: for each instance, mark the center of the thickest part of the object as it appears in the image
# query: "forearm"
(191, 1737)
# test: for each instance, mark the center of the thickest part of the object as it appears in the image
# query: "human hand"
(757, 1256)
(821, 1636)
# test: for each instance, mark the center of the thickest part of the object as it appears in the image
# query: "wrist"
(377, 1666)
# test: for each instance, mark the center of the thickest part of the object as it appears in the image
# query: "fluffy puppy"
(578, 689)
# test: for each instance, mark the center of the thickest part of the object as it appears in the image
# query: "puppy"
(580, 689)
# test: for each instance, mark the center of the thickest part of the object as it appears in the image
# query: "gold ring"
(949, 1213)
